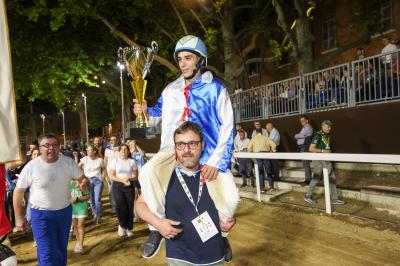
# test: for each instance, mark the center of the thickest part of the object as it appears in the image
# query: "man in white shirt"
(48, 178)
(389, 47)
(257, 125)
(245, 166)
(111, 152)
(274, 135)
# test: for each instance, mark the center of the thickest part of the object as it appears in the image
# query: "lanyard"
(186, 189)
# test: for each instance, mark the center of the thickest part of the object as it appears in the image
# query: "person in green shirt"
(321, 144)
(79, 198)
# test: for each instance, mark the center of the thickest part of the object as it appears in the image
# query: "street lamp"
(86, 118)
(63, 120)
(42, 116)
(121, 67)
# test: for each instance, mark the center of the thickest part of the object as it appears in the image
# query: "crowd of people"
(373, 78)
(267, 139)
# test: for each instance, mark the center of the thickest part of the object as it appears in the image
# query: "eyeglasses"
(47, 146)
(191, 144)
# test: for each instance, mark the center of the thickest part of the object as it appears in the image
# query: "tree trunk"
(305, 60)
(231, 58)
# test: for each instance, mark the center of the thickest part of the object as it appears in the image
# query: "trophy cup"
(138, 61)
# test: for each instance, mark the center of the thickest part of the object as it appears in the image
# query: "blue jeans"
(265, 164)
(50, 230)
(96, 189)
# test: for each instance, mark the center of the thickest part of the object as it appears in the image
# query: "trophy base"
(137, 133)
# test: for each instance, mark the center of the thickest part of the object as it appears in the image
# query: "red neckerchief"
(186, 110)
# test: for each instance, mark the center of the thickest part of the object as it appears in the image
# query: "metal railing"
(370, 80)
(332, 157)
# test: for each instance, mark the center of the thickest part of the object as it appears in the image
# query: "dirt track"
(265, 234)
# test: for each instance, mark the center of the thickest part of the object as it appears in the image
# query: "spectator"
(239, 128)
(321, 144)
(388, 48)
(93, 167)
(79, 198)
(48, 177)
(257, 125)
(138, 155)
(189, 207)
(360, 53)
(274, 135)
(97, 143)
(261, 143)
(245, 166)
(303, 139)
(110, 153)
(123, 171)
(32, 146)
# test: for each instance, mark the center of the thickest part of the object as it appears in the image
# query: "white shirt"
(387, 49)
(49, 182)
(264, 132)
(111, 155)
(240, 145)
(92, 167)
(123, 167)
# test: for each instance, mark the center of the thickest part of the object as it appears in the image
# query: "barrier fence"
(333, 157)
(366, 81)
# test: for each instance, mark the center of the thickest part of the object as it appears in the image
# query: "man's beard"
(188, 162)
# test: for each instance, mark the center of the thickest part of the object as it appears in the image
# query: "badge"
(204, 226)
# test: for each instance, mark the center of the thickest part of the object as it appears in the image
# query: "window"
(386, 14)
(329, 34)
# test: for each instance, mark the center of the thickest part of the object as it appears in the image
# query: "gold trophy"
(138, 61)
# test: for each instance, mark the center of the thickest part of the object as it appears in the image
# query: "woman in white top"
(123, 171)
(93, 167)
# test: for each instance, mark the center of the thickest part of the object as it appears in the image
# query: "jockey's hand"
(139, 108)
(168, 228)
(209, 172)
(226, 226)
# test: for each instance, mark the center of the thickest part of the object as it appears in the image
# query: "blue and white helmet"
(192, 44)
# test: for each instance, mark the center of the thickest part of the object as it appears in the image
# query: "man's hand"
(167, 228)
(20, 223)
(126, 182)
(209, 172)
(139, 109)
(226, 226)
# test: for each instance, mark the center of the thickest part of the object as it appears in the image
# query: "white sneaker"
(135, 219)
(121, 231)
(78, 248)
(128, 232)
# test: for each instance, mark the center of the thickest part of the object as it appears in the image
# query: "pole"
(121, 67)
(43, 117)
(63, 119)
(86, 118)
(327, 191)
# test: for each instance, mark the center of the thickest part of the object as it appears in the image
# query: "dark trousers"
(245, 169)
(275, 169)
(306, 164)
(265, 165)
(124, 196)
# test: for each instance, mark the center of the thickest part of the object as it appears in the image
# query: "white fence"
(333, 157)
(370, 80)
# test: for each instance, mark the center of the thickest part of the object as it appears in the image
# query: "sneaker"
(310, 200)
(228, 250)
(78, 248)
(243, 185)
(338, 202)
(135, 219)
(152, 245)
(121, 231)
(128, 233)
(97, 220)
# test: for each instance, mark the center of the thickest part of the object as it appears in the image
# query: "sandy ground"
(265, 234)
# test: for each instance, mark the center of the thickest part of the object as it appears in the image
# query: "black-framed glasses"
(191, 144)
(48, 145)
